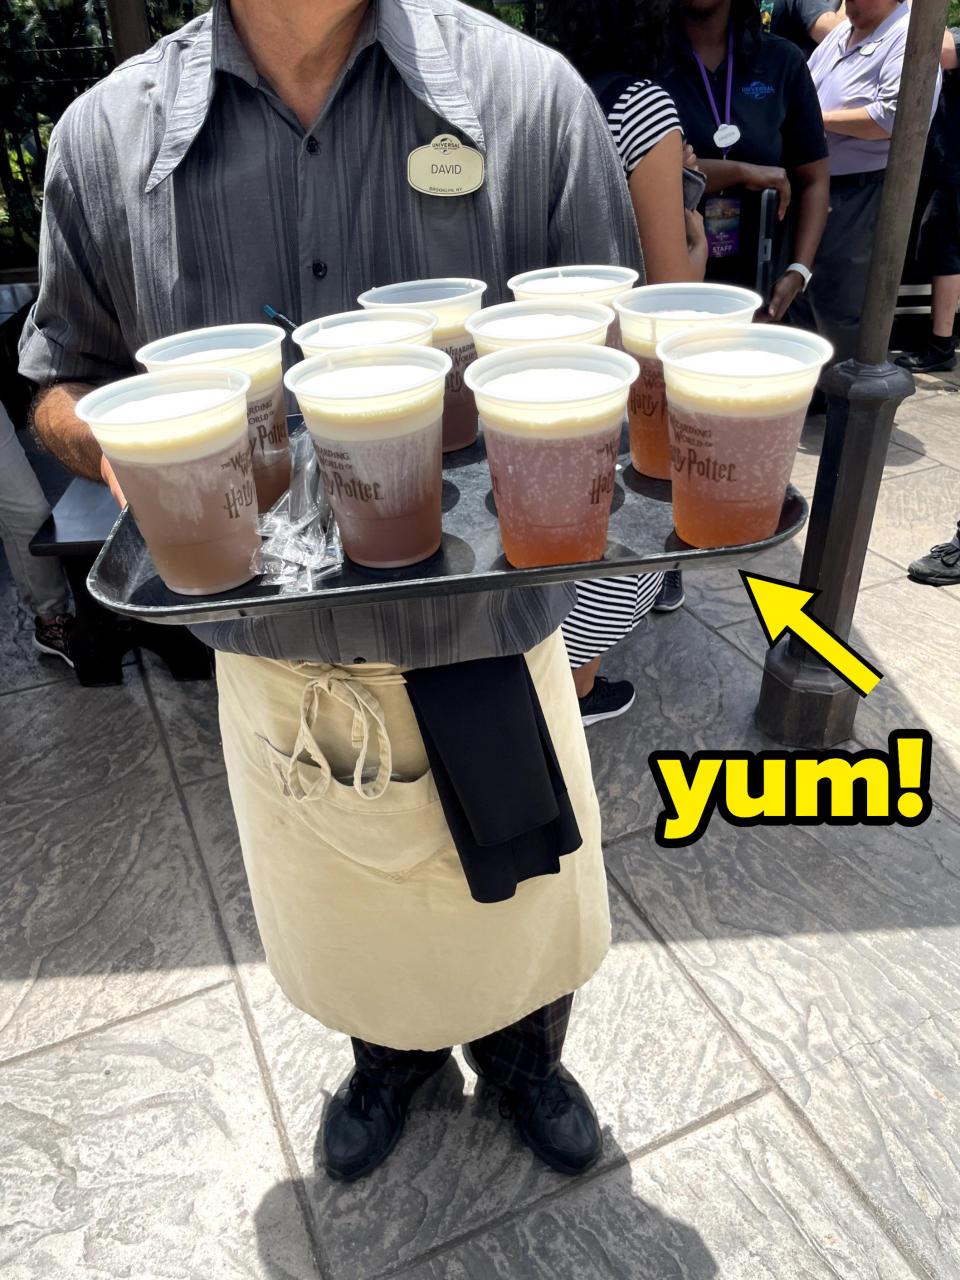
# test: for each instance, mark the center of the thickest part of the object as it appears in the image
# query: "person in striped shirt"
(608, 45)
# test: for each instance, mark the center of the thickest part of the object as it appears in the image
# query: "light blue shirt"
(867, 74)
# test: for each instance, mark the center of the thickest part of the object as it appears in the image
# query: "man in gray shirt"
(259, 155)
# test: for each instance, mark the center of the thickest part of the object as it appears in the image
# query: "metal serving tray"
(470, 558)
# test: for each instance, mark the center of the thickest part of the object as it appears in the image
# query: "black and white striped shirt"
(182, 192)
(641, 116)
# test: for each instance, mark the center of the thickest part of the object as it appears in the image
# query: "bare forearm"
(63, 433)
(854, 122)
(721, 173)
(813, 206)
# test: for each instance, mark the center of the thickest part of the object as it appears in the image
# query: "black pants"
(514, 1057)
(833, 305)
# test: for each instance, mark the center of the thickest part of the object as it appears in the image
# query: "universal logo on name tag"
(445, 167)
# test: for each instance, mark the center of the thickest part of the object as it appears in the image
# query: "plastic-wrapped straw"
(300, 539)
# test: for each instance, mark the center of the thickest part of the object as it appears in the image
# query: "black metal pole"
(129, 29)
(802, 702)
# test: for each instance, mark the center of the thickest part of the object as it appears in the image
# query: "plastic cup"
(178, 444)
(551, 422)
(653, 312)
(374, 414)
(452, 300)
(576, 284)
(390, 326)
(517, 324)
(253, 349)
(736, 398)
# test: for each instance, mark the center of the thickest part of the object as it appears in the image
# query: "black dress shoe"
(363, 1125)
(554, 1117)
(930, 360)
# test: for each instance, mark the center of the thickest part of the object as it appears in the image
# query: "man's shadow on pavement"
(462, 1189)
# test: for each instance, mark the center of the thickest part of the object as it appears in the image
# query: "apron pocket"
(393, 834)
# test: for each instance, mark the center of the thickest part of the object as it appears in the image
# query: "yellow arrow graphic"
(780, 606)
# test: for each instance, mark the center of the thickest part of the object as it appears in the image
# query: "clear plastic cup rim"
(810, 348)
(213, 337)
(438, 363)
(144, 386)
(437, 289)
(615, 274)
(631, 302)
(342, 319)
(552, 355)
(600, 316)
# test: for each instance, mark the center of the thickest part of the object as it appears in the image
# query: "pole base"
(802, 702)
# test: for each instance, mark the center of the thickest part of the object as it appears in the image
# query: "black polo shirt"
(774, 105)
(942, 160)
(792, 20)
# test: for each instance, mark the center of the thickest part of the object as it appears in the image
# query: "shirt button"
(319, 269)
(313, 146)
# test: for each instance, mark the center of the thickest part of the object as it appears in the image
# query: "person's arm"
(755, 177)
(949, 54)
(855, 122)
(656, 189)
(824, 23)
(72, 339)
(812, 184)
(591, 216)
(68, 439)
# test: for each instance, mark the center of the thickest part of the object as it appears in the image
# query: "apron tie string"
(367, 717)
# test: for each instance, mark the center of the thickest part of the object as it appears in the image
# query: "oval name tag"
(726, 136)
(867, 49)
(445, 167)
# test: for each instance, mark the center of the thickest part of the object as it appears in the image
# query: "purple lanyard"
(706, 85)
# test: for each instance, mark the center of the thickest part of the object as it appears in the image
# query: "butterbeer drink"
(736, 398)
(253, 349)
(452, 300)
(551, 421)
(387, 325)
(572, 284)
(375, 417)
(178, 444)
(516, 324)
(653, 312)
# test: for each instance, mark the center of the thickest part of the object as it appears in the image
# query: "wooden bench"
(75, 532)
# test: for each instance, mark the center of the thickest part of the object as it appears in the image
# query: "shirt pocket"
(392, 835)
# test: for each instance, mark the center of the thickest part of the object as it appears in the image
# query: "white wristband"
(802, 271)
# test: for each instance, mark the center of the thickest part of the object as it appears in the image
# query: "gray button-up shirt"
(181, 191)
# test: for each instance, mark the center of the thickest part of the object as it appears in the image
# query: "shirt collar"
(406, 29)
(875, 37)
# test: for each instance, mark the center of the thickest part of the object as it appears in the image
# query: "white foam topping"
(208, 355)
(166, 406)
(741, 362)
(688, 314)
(551, 386)
(537, 326)
(363, 333)
(366, 381)
(569, 284)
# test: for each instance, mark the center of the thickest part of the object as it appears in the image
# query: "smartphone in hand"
(694, 183)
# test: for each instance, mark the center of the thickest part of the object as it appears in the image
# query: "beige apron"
(360, 898)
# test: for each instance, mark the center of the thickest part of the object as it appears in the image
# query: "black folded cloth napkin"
(496, 772)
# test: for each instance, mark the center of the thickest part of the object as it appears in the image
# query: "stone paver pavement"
(773, 1043)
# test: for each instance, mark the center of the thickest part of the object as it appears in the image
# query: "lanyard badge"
(727, 134)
